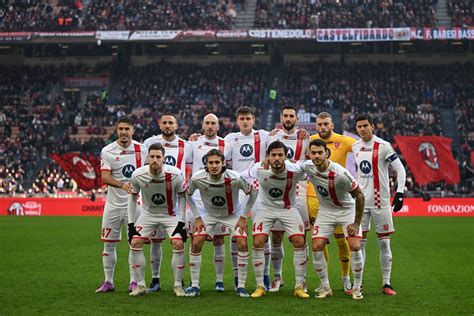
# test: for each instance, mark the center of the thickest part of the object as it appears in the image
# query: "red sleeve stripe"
(169, 193)
(138, 155)
(332, 189)
(256, 139)
(180, 155)
(289, 185)
(228, 195)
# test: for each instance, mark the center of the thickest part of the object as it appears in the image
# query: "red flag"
(84, 169)
(429, 158)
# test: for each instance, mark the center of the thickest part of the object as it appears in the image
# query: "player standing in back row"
(373, 156)
(247, 147)
(118, 161)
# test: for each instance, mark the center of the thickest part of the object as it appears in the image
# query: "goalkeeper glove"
(132, 231)
(397, 203)
(180, 230)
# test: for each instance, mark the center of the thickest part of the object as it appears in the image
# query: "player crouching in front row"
(219, 189)
(336, 190)
(162, 189)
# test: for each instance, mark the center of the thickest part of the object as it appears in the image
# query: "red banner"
(85, 207)
(437, 207)
(84, 169)
(51, 207)
(429, 158)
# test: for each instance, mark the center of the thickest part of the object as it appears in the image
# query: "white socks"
(357, 264)
(258, 265)
(109, 259)
(219, 261)
(177, 263)
(321, 268)
(195, 260)
(300, 261)
(138, 263)
(385, 259)
(156, 257)
(242, 262)
(277, 258)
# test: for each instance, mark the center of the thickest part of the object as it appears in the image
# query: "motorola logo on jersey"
(218, 201)
(158, 199)
(322, 191)
(275, 192)
(169, 160)
(291, 153)
(365, 167)
(128, 170)
(246, 150)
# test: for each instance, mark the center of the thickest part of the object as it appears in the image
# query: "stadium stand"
(292, 14)
(461, 12)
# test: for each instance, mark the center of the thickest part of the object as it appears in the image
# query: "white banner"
(112, 35)
(285, 34)
(363, 35)
(154, 35)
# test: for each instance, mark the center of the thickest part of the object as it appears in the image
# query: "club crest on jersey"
(169, 160)
(322, 191)
(385, 227)
(365, 167)
(246, 150)
(218, 201)
(158, 198)
(429, 154)
(128, 170)
(337, 144)
(275, 192)
(291, 153)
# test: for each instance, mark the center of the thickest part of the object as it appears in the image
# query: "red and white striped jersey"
(202, 146)
(160, 192)
(297, 148)
(220, 197)
(333, 185)
(246, 150)
(372, 159)
(178, 152)
(276, 190)
(122, 162)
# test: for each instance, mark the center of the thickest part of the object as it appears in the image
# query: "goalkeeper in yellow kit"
(339, 146)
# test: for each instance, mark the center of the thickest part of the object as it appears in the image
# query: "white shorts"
(302, 207)
(213, 222)
(112, 221)
(147, 224)
(326, 224)
(382, 219)
(219, 230)
(290, 219)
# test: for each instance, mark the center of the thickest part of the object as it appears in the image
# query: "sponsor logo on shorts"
(128, 170)
(218, 201)
(275, 192)
(385, 227)
(158, 199)
(246, 150)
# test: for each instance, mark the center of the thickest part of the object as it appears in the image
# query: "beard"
(288, 126)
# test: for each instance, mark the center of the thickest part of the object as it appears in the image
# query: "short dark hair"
(364, 117)
(275, 145)
(288, 107)
(156, 146)
(324, 115)
(319, 143)
(215, 152)
(244, 110)
(125, 119)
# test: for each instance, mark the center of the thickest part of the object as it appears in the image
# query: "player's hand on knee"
(241, 225)
(132, 231)
(397, 202)
(181, 230)
(199, 225)
(352, 229)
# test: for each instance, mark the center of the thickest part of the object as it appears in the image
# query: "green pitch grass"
(52, 265)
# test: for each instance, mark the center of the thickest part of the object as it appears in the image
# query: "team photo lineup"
(285, 180)
(234, 157)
